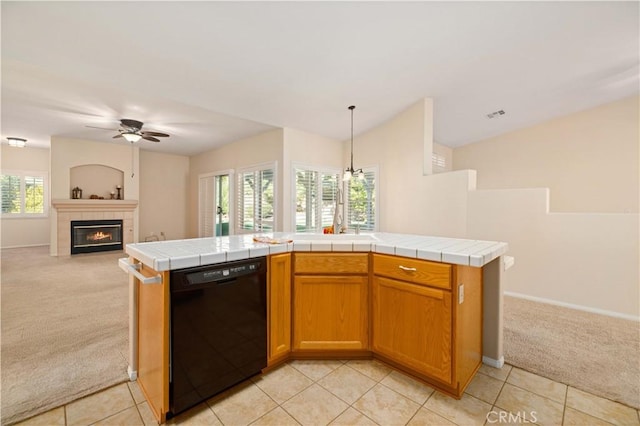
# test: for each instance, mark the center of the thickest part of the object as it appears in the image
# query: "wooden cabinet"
(331, 302)
(427, 319)
(412, 325)
(279, 308)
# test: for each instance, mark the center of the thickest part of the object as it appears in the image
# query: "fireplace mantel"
(84, 205)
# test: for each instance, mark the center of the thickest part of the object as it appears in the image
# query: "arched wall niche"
(96, 179)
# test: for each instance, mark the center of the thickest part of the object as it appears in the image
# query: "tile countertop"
(178, 254)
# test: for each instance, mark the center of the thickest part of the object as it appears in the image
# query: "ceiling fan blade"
(150, 138)
(118, 136)
(157, 134)
(101, 128)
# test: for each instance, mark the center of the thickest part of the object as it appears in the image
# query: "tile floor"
(362, 392)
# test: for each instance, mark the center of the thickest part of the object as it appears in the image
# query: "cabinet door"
(330, 312)
(412, 325)
(279, 313)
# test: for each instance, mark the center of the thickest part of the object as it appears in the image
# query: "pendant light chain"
(352, 107)
(350, 171)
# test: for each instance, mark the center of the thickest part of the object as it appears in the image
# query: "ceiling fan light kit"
(132, 131)
(131, 137)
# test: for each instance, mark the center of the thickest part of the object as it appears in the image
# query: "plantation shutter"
(361, 210)
(265, 200)
(34, 194)
(11, 194)
(206, 206)
(306, 217)
(256, 200)
(245, 200)
(316, 193)
(329, 198)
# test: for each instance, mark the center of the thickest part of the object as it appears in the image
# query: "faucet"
(337, 217)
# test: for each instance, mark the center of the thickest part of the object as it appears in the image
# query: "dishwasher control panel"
(222, 273)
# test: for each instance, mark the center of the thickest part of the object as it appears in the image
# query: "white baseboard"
(497, 363)
(572, 306)
(25, 246)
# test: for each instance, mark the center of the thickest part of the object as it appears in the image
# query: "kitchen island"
(341, 296)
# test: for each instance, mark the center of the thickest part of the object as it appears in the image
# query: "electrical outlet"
(460, 294)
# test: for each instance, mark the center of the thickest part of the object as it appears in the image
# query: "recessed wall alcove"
(96, 179)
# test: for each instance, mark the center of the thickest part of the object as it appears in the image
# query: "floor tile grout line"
(564, 406)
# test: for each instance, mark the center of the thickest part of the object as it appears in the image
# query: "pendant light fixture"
(350, 171)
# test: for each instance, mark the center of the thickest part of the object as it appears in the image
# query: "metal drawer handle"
(405, 268)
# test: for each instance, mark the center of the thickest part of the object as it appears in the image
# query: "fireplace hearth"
(88, 236)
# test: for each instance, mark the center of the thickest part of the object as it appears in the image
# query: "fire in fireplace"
(88, 236)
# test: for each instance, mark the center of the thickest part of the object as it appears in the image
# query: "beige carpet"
(594, 353)
(64, 328)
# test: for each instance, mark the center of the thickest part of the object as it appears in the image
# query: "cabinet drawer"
(331, 263)
(413, 270)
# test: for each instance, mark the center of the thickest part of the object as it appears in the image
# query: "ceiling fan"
(132, 131)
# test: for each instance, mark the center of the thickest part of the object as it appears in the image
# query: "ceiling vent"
(496, 114)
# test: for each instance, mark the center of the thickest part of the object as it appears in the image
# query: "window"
(361, 201)
(256, 199)
(23, 194)
(214, 204)
(315, 198)
(439, 162)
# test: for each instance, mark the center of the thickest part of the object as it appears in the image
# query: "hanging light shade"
(350, 171)
(17, 142)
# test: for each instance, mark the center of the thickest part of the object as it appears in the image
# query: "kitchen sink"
(332, 237)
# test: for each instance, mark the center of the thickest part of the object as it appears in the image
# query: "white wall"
(589, 160)
(164, 195)
(564, 195)
(20, 232)
(410, 201)
(588, 260)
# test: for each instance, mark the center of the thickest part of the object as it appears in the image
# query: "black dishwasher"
(218, 329)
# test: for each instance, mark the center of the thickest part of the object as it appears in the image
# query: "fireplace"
(88, 236)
